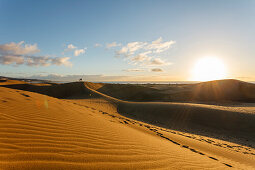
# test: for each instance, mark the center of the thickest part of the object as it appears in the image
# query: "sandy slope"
(237, 156)
(41, 132)
(234, 121)
(218, 91)
(211, 116)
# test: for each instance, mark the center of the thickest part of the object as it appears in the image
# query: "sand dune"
(212, 91)
(229, 153)
(193, 117)
(42, 132)
(219, 90)
(52, 89)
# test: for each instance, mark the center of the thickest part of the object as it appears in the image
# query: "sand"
(43, 132)
(218, 91)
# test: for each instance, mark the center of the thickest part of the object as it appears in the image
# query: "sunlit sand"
(91, 130)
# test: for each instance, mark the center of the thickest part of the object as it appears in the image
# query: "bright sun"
(208, 68)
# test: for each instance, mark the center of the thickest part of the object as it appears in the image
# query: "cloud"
(97, 45)
(113, 44)
(130, 48)
(79, 52)
(34, 60)
(61, 61)
(122, 51)
(20, 53)
(144, 53)
(38, 61)
(18, 48)
(9, 59)
(158, 46)
(156, 70)
(70, 47)
(157, 61)
(144, 60)
(76, 51)
(141, 57)
(133, 70)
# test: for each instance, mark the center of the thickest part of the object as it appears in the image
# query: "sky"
(125, 40)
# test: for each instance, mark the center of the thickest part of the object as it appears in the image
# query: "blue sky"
(183, 32)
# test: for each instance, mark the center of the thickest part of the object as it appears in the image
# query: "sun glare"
(208, 68)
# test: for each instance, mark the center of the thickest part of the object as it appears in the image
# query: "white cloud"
(158, 46)
(141, 57)
(143, 53)
(18, 48)
(113, 44)
(122, 51)
(130, 48)
(70, 47)
(157, 61)
(76, 51)
(62, 61)
(134, 46)
(20, 53)
(79, 52)
(156, 70)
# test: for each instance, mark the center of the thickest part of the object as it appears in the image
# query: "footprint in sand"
(25, 95)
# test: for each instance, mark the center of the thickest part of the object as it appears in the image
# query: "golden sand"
(42, 132)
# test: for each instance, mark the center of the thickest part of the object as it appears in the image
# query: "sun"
(208, 68)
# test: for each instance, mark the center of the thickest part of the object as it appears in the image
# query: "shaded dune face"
(213, 91)
(41, 132)
(186, 114)
(54, 90)
(195, 118)
(228, 90)
(192, 118)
